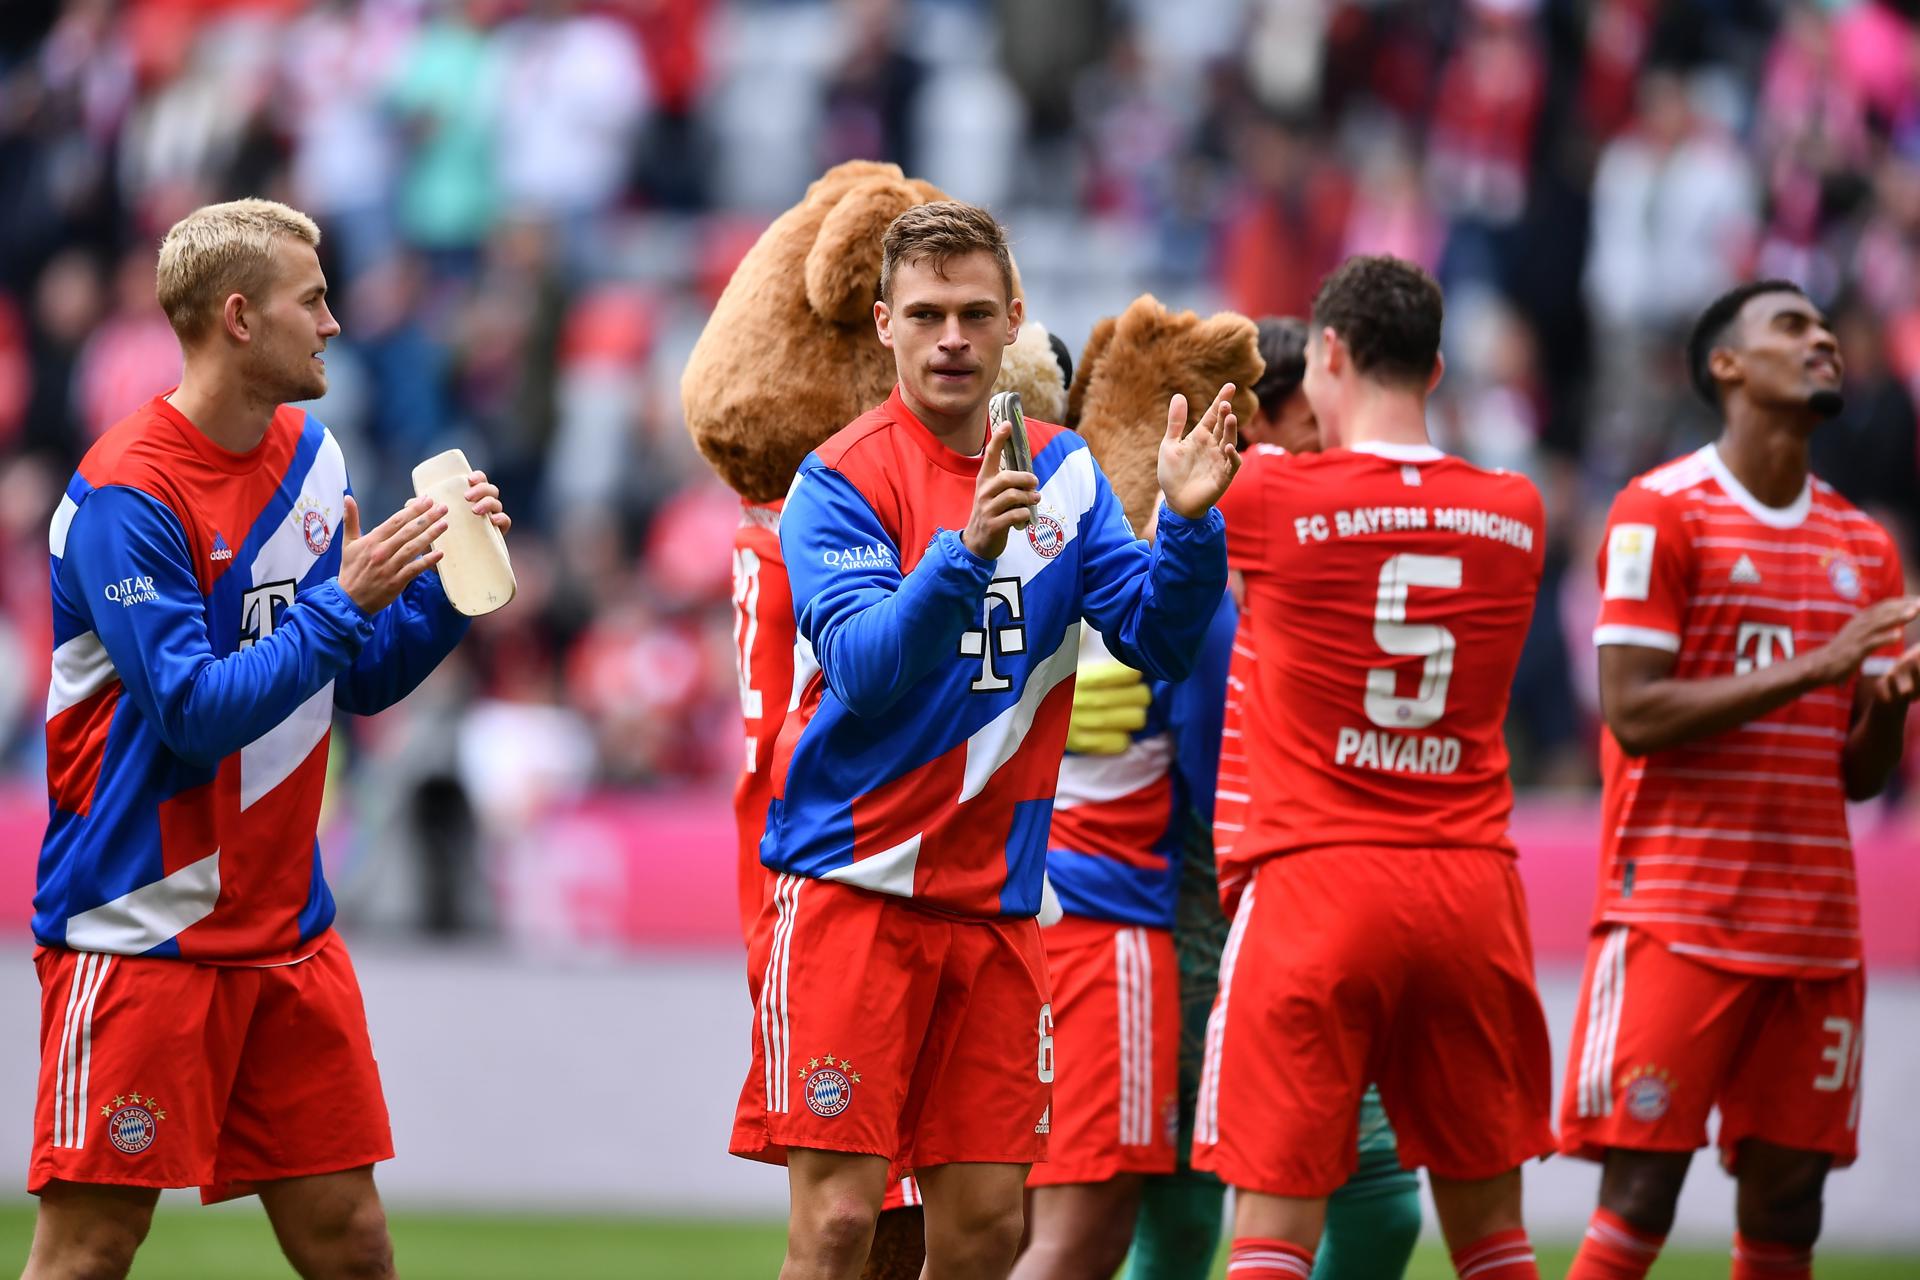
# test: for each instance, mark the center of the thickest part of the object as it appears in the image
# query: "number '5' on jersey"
(1389, 589)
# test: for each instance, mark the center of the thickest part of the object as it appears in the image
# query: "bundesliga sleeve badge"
(1630, 561)
(828, 1085)
(133, 1122)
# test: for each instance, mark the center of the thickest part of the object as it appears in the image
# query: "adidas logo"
(221, 551)
(1046, 1121)
(1744, 574)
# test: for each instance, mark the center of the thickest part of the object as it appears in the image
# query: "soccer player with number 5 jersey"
(1382, 935)
(1753, 681)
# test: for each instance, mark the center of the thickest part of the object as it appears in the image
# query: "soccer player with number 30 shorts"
(214, 606)
(1753, 682)
(1382, 935)
(902, 1022)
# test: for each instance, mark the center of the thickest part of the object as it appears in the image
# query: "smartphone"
(1005, 407)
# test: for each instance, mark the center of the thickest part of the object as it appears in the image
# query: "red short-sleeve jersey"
(763, 631)
(1389, 590)
(1734, 848)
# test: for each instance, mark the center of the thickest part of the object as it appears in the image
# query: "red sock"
(1504, 1255)
(1760, 1260)
(1268, 1260)
(1614, 1250)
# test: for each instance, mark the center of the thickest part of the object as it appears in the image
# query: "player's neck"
(221, 410)
(1385, 417)
(1770, 458)
(965, 434)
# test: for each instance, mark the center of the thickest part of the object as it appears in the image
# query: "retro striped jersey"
(763, 658)
(203, 643)
(1233, 784)
(1119, 822)
(931, 688)
(1734, 849)
(1389, 590)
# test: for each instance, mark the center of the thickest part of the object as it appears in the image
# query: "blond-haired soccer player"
(214, 604)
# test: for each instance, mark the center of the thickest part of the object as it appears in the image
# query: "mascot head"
(1133, 364)
(790, 354)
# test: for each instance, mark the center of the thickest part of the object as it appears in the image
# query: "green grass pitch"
(235, 1243)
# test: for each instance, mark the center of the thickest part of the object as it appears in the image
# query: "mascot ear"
(1097, 343)
(843, 266)
(1228, 345)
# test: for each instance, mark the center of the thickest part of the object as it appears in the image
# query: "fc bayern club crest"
(1046, 535)
(133, 1122)
(1844, 577)
(828, 1084)
(1647, 1093)
(313, 527)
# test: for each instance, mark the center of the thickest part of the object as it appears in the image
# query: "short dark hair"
(1388, 311)
(1710, 331)
(1283, 345)
(938, 231)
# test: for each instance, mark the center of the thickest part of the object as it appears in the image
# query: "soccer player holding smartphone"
(214, 605)
(902, 1022)
(1382, 933)
(1753, 682)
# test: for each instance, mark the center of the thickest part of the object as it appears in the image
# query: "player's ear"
(1333, 352)
(883, 323)
(234, 318)
(1016, 313)
(1439, 372)
(1723, 363)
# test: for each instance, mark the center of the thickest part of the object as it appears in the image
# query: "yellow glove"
(1110, 701)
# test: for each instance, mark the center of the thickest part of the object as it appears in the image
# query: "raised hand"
(1002, 500)
(1197, 466)
(375, 569)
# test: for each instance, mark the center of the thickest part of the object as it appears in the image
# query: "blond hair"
(936, 232)
(222, 249)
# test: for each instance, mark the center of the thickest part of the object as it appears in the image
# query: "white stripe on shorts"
(1602, 1031)
(73, 1071)
(1207, 1111)
(773, 992)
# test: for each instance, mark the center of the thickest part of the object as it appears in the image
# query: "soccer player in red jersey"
(763, 660)
(1373, 1220)
(1753, 682)
(214, 605)
(902, 1020)
(1382, 935)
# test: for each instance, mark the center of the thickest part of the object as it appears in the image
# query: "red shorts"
(1660, 1040)
(1409, 967)
(883, 1028)
(1116, 1030)
(166, 1073)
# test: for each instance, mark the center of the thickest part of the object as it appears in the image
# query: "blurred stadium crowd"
(530, 205)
